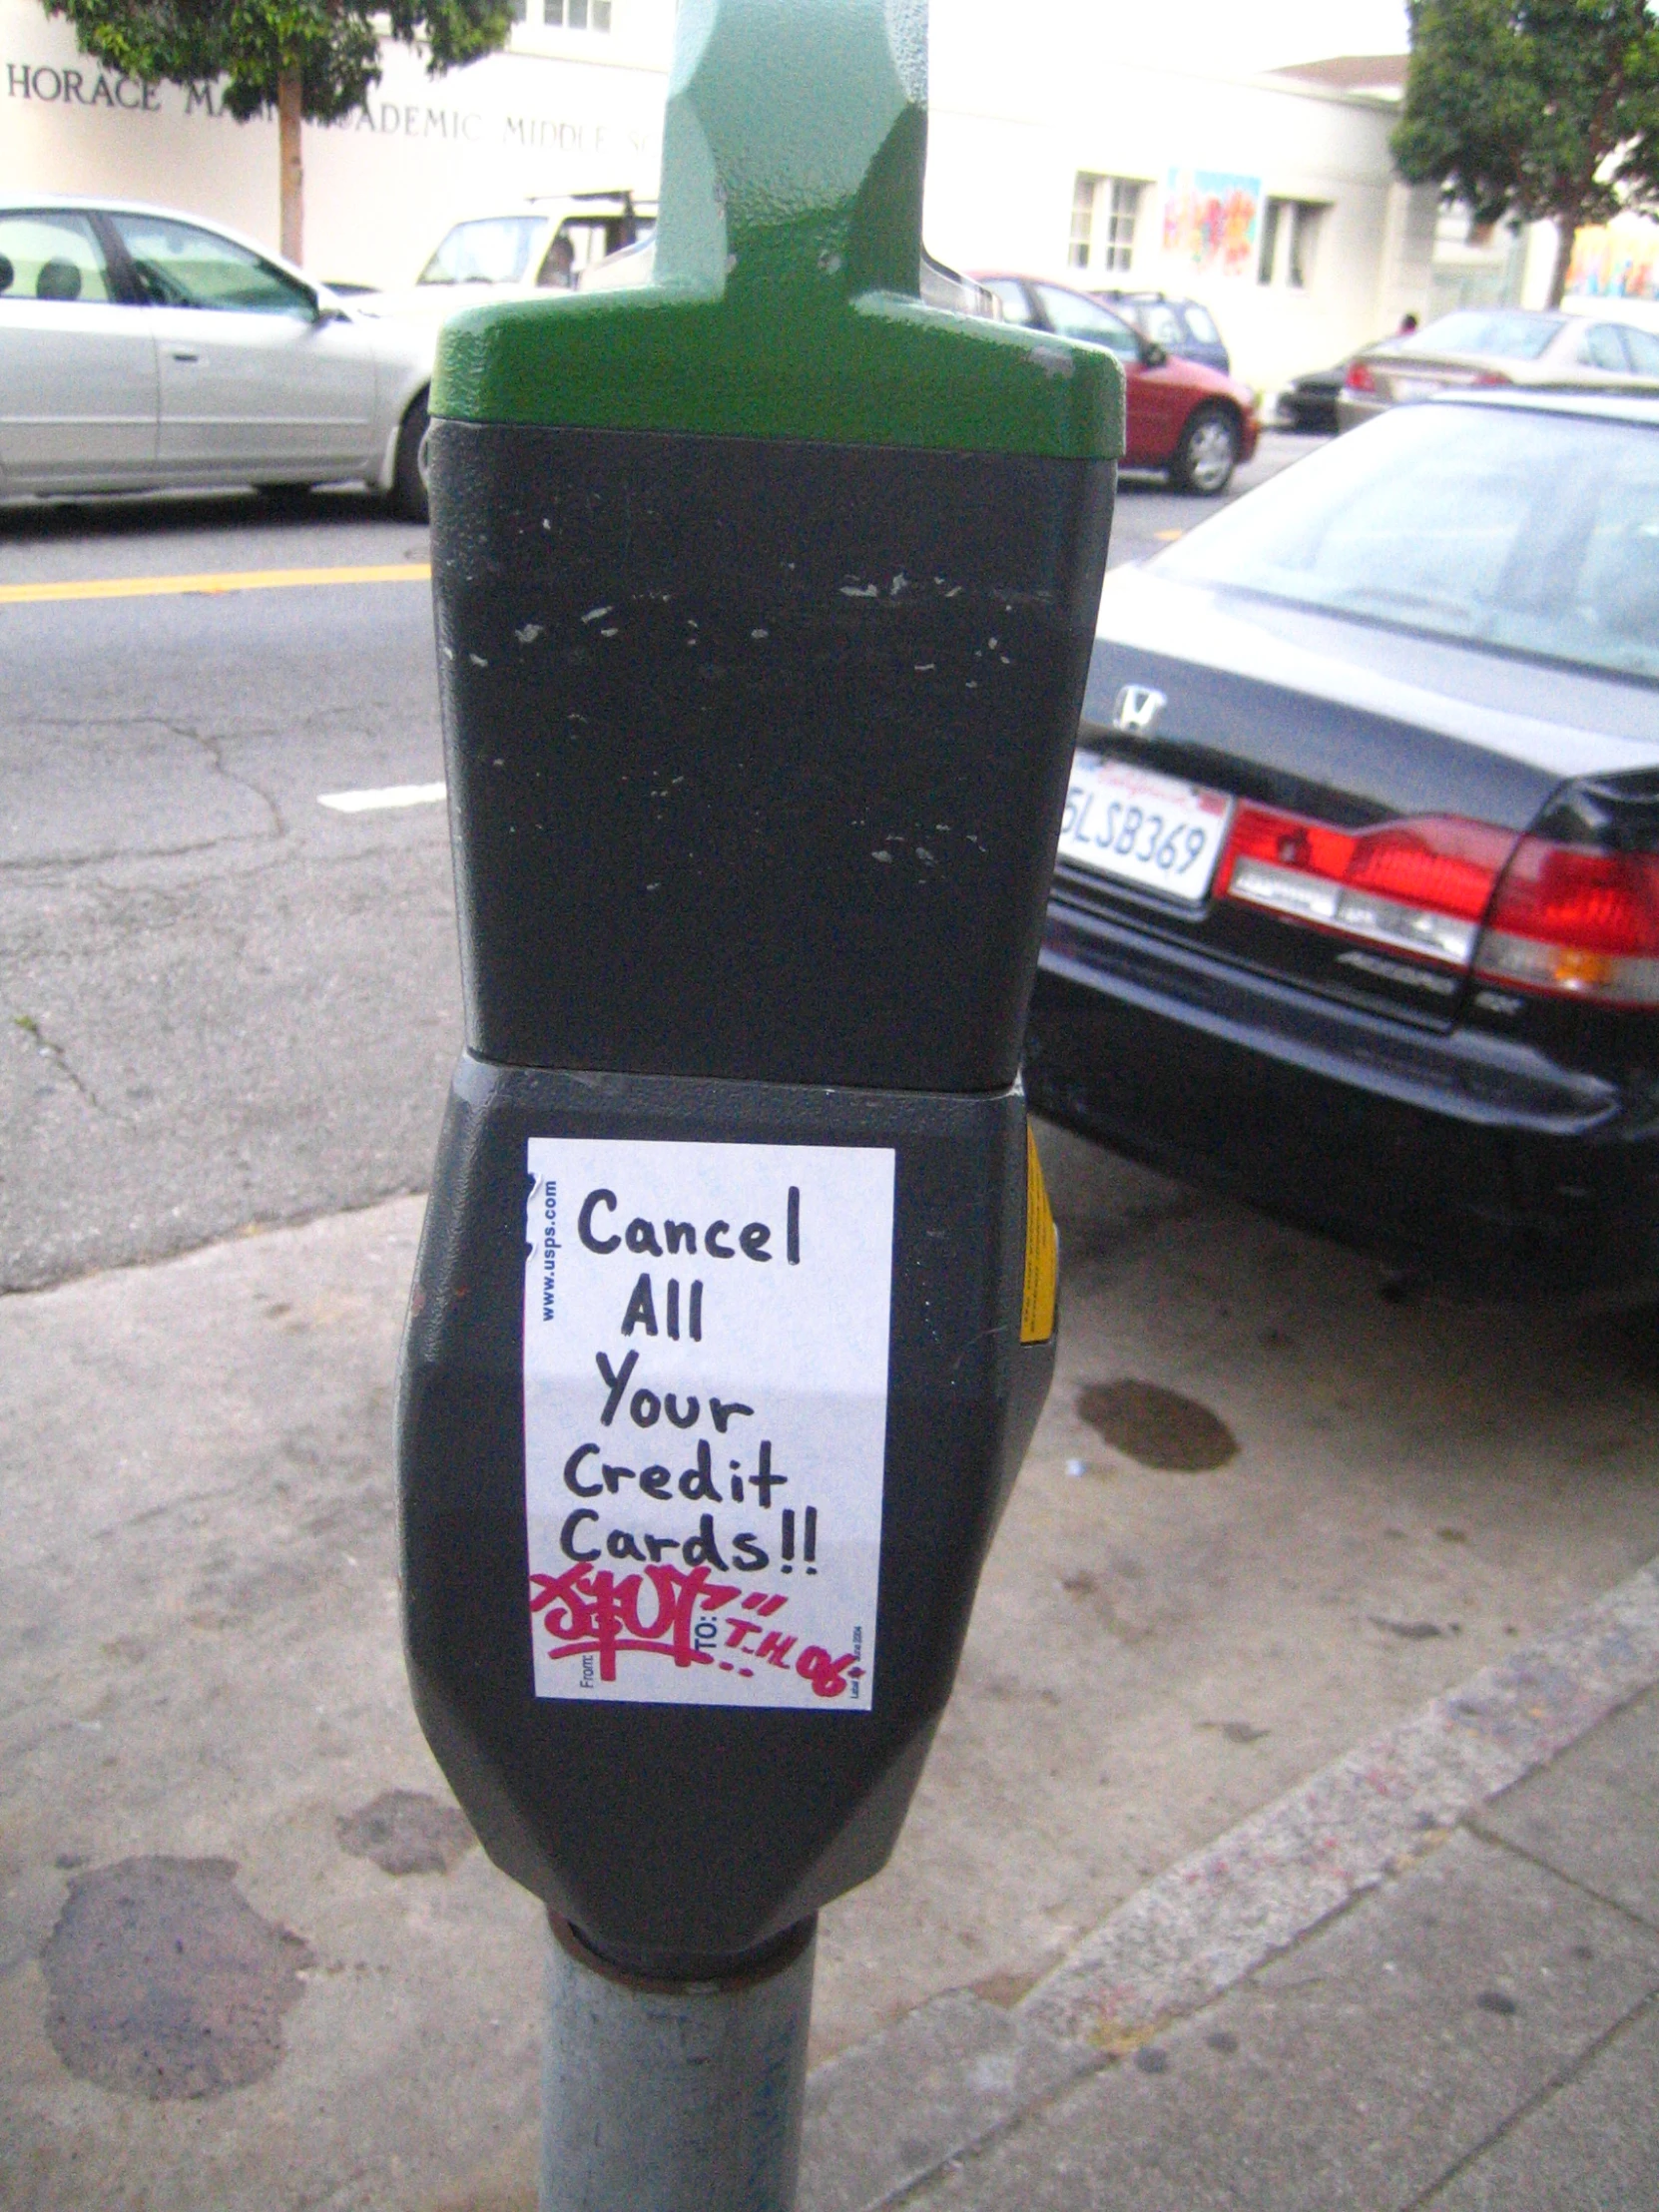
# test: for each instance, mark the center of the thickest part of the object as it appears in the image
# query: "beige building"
(1085, 145)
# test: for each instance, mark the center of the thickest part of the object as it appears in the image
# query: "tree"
(1534, 110)
(316, 60)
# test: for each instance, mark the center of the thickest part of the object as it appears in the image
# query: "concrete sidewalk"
(249, 1959)
(1420, 2010)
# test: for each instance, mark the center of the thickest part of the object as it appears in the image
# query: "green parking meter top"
(784, 300)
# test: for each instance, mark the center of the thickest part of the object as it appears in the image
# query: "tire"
(408, 484)
(1208, 452)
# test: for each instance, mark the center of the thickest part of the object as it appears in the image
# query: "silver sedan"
(1488, 348)
(140, 348)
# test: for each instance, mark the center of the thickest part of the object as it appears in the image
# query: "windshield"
(1509, 335)
(1535, 532)
(1076, 317)
(493, 251)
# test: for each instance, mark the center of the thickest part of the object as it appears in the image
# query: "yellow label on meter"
(1043, 1253)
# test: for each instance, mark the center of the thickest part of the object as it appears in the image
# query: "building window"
(1290, 235)
(1082, 220)
(1123, 211)
(577, 15)
(1104, 212)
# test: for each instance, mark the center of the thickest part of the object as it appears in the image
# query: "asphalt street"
(226, 1004)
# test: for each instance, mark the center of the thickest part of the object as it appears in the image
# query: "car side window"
(1076, 318)
(1015, 306)
(1644, 348)
(1200, 323)
(558, 265)
(178, 266)
(51, 255)
(1603, 348)
(1160, 324)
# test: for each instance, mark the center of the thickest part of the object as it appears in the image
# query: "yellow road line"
(220, 580)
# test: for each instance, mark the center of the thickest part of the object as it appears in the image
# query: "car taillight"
(1576, 923)
(1420, 884)
(1492, 376)
(1359, 378)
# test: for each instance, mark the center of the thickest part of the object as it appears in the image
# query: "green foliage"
(334, 44)
(1534, 109)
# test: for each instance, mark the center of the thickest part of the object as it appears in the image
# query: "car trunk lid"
(1365, 825)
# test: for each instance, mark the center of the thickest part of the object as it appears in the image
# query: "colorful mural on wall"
(1616, 261)
(1211, 220)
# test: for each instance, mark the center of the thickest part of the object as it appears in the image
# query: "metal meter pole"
(673, 2096)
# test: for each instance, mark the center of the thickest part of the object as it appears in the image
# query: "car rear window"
(1510, 335)
(1527, 531)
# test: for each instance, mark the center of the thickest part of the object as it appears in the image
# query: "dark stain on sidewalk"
(1157, 1428)
(165, 1982)
(406, 1833)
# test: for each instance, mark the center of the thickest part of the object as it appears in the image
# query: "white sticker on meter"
(704, 1419)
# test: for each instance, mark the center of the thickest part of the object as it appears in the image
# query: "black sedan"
(1309, 401)
(1355, 911)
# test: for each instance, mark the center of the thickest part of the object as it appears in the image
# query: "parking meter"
(764, 598)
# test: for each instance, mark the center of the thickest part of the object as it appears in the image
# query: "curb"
(884, 2117)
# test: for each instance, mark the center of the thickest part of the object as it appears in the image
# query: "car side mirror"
(1153, 354)
(327, 309)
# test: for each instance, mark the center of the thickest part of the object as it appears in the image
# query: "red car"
(1182, 417)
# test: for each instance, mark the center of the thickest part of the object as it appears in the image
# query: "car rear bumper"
(1302, 410)
(1482, 1166)
(1353, 408)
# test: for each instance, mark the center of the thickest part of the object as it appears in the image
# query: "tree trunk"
(1566, 230)
(290, 99)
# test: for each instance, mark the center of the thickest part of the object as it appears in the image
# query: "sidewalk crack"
(49, 1049)
(1558, 1874)
(1534, 2103)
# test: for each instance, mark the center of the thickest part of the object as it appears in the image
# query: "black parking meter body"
(765, 597)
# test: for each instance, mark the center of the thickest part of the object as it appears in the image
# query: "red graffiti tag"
(589, 1610)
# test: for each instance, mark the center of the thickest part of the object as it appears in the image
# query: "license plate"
(1409, 390)
(1136, 828)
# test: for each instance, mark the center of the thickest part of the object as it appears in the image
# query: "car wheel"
(1208, 453)
(408, 488)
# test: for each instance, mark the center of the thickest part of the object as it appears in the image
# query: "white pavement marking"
(1207, 1923)
(392, 795)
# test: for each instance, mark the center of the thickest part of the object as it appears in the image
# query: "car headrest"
(7, 273)
(58, 280)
